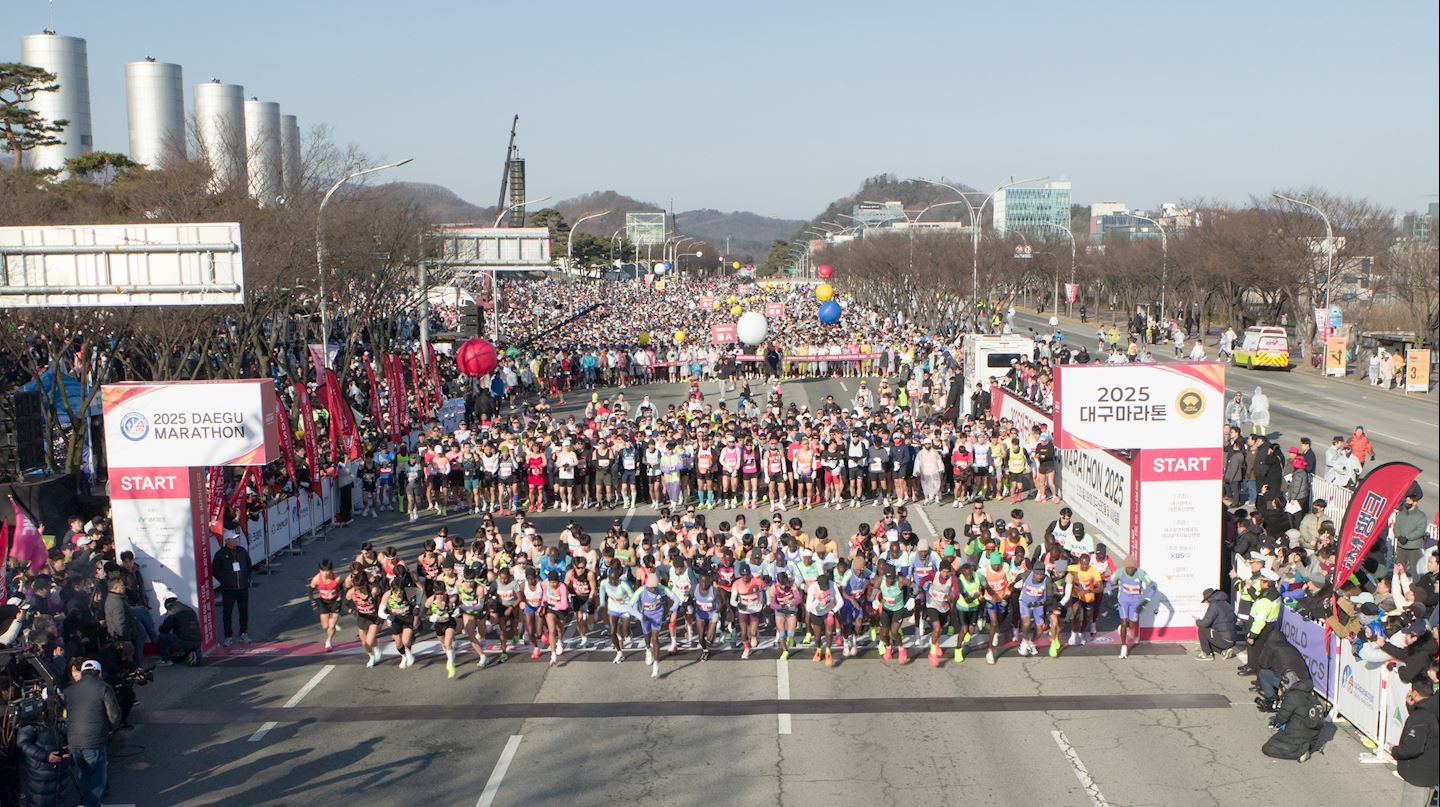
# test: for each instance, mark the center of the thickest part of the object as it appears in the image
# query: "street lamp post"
(1164, 257)
(495, 275)
(320, 250)
(570, 238)
(975, 225)
(1071, 236)
(1329, 245)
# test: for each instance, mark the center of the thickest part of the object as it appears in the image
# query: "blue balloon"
(829, 312)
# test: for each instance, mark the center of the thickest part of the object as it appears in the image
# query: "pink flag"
(26, 543)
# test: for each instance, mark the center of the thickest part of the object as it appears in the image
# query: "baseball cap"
(90, 665)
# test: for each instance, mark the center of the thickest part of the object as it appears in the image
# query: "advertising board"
(1137, 406)
(198, 423)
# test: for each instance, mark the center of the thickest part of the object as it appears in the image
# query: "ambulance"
(1263, 346)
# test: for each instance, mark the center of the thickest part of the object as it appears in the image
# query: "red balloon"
(824, 271)
(476, 357)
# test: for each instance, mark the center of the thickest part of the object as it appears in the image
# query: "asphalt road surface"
(283, 723)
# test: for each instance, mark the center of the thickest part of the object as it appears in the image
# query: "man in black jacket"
(1300, 717)
(47, 766)
(1417, 755)
(180, 630)
(91, 712)
(231, 569)
(119, 625)
(1277, 659)
(1216, 628)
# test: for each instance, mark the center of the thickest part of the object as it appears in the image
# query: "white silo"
(262, 149)
(155, 98)
(65, 57)
(289, 154)
(220, 130)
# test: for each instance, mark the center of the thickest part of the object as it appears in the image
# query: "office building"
(1032, 209)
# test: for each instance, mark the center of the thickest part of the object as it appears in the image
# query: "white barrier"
(286, 522)
(1357, 691)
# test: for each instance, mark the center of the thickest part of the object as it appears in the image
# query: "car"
(1263, 346)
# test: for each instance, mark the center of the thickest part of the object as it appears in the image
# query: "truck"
(988, 356)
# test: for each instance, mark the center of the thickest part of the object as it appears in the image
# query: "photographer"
(180, 630)
(92, 711)
(48, 781)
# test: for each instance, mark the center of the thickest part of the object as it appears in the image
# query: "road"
(287, 724)
(1303, 404)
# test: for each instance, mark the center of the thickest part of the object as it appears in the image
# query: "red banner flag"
(436, 390)
(404, 391)
(417, 374)
(344, 433)
(393, 396)
(307, 425)
(286, 440)
(215, 500)
(1369, 512)
(374, 394)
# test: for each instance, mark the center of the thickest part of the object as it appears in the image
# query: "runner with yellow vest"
(1016, 461)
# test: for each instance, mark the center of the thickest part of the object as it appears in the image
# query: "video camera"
(32, 697)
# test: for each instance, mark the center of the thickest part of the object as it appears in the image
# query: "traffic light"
(469, 320)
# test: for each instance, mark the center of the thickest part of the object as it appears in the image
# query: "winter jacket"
(1417, 755)
(91, 710)
(1409, 529)
(117, 616)
(46, 784)
(1219, 615)
(1302, 715)
(222, 567)
(182, 621)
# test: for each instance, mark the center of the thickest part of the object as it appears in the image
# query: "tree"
(24, 128)
(99, 167)
(554, 221)
(777, 261)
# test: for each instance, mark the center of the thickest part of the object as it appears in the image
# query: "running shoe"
(704, 655)
(535, 654)
(784, 654)
(619, 656)
(1055, 647)
(328, 646)
(370, 663)
(449, 669)
(885, 652)
(1125, 653)
(819, 653)
(745, 654)
(829, 659)
(655, 670)
(990, 656)
(1074, 638)
(904, 657)
(959, 654)
(649, 657)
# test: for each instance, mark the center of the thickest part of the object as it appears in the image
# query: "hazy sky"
(779, 107)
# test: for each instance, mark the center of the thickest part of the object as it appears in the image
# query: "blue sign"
(1335, 316)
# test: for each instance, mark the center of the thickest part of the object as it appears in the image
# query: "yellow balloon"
(645, 338)
(679, 336)
(716, 306)
(731, 300)
(736, 310)
(735, 265)
(824, 292)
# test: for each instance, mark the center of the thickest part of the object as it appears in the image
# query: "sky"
(780, 107)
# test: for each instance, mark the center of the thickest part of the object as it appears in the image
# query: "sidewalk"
(1084, 333)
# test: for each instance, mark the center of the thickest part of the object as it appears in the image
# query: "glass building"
(1031, 209)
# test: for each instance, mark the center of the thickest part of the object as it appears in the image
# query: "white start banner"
(159, 514)
(191, 424)
(1139, 406)
(1179, 492)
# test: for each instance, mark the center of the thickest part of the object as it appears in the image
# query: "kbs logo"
(1190, 404)
(134, 426)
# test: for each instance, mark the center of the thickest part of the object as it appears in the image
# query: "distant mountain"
(749, 234)
(915, 196)
(436, 203)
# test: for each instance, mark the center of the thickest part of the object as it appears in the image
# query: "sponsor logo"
(134, 426)
(1190, 404)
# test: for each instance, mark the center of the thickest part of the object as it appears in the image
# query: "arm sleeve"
(1414, 737)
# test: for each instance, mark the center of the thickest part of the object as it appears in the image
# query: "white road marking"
(1091, 789)
(309, 685)
(264, 729)
(492, 785)
(842, 386)
(293, 702)
(924, 519)
(1391, 436)
(782, 692)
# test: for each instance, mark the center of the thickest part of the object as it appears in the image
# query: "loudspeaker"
(22, 434)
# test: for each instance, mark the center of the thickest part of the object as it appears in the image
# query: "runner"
(442, 613)
(747, 596)
(999, 583)
(399, 607)
(822, 602)
(940, 596)
(1134, 590)
(325, 600)
(617, 595)
(892, 597)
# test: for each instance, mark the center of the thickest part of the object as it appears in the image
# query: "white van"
(989, 356)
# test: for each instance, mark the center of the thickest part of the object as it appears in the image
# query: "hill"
(749, 233)
(436, 203)
(915, 196)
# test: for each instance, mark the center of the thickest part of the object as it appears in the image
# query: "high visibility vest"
(1262, 613)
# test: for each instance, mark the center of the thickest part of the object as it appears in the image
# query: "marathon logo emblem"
(1190, 404)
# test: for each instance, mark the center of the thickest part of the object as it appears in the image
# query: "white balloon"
(661, 267)
(752, 327)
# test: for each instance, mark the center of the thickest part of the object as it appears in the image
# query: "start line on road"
(697, 708)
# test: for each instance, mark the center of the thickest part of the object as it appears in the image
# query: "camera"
(139, 677)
